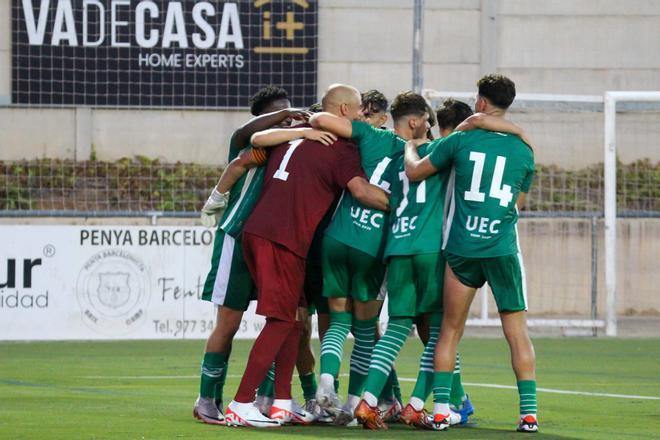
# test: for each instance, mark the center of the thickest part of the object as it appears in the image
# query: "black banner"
(162, 53)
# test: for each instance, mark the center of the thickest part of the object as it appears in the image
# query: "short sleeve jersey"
(417, 208)
(354, 224)
(491, 169)
(302, 178)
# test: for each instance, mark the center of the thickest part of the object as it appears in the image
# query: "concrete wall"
(557, 259)
(558, 46)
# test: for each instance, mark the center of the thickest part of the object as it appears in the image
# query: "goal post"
(610, 101)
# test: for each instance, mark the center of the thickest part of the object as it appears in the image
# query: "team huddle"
(326, 211)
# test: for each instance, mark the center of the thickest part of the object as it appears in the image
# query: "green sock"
(396, 387)
(527, 393)
(336, 385)
(442, 386)
(220, 386)
(308, 383)
(364, 332)
(332, 347)
(385, 352)
(213, 371)
(424, 384)
(457, 391)
(388, 389)
(267, 387)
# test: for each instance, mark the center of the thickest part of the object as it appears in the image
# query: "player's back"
(354, 224)
(416, 216)
(302, 178)
(491, 169)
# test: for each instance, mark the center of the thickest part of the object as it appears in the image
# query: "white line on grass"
(549, 390)
(405, 379)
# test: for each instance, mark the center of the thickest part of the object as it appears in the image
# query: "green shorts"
(505, 276)
(350, 273)
(414, 284)
(316, 302)
(229, 282)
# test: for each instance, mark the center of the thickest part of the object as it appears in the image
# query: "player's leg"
(422, 324)
(279, 277)
(462, 278)
(364, 329)
(390, 399)
(414, 413)
(367, 278)
(428, 272)
(230, 287)
(507, 281)
(306, 361)
(336, 285)
(402, 307)
(284, 407)
(459, 402)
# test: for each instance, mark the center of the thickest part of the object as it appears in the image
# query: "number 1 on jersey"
(281, 173)
(497, 190)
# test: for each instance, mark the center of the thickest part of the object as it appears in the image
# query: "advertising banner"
(185, 53)
(100, 282)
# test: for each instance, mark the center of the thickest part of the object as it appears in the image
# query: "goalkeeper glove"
(214, 208)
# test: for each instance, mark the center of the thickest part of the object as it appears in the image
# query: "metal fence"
(140, 187)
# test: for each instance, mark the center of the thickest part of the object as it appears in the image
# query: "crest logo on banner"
(113, 292)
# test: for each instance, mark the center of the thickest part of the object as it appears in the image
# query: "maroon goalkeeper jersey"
(302, 179)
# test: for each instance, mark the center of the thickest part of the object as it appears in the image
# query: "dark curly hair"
(374, 101)
(498, 89)
(408, 103)
(260, 100)
(452, 113)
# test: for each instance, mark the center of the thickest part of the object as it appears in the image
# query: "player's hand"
(298, 114)
(214, 208)
(324, 137)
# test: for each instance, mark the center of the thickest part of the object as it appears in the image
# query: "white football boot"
(247, 414)
(288, 412)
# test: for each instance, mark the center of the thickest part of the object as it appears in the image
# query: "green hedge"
(142, 184)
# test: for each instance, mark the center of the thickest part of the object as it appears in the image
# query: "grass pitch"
(145, 389)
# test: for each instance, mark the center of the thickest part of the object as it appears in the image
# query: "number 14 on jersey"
(497, 190)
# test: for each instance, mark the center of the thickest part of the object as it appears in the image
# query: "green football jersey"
(416, 210)
(242, 197)
(354, 224)
(490, 170)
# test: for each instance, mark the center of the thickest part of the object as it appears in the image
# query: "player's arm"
(329, 122)
(493, 123)
(525, 187)
(248, 158)
(368, 194)
(416, 168)
(242, 134)
(277, 136)
(217, 201)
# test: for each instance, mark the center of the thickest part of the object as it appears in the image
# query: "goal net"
(586, 261)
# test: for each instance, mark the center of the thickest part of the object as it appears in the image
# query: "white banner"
(100, 282)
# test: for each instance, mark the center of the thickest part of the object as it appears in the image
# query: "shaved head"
(342, 100)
